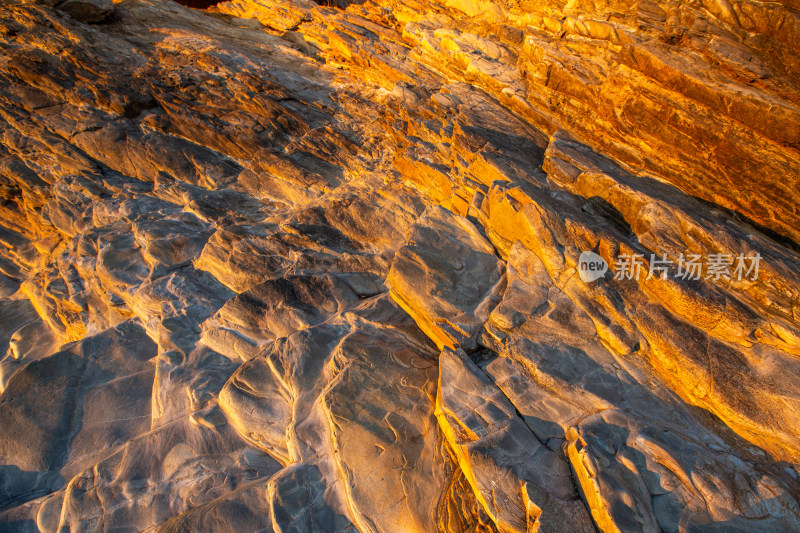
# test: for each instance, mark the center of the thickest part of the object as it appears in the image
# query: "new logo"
(591, 267)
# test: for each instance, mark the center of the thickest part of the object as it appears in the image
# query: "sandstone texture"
(295, 266)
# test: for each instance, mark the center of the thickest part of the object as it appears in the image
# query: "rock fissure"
(320, 262)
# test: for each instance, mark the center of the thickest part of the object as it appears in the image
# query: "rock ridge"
(292, 266)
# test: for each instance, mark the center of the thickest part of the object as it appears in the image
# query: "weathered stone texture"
(313, 266)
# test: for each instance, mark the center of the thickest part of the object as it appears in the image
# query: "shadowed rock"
(316, 266)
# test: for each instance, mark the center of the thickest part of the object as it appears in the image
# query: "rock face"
(447, 277)
(319, 266)
(89, 11)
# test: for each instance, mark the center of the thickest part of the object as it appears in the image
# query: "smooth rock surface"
(315, 266)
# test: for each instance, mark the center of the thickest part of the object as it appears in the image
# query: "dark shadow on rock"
(600, 207)
(108, 375)
(19, 526)
(20, 486)
(198, 4)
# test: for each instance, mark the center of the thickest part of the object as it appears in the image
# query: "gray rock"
(447, 277)
(90, 11)
(285, 266)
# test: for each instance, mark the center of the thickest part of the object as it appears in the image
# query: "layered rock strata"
(284, 266)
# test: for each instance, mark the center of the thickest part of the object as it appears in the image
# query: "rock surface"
(316, 266)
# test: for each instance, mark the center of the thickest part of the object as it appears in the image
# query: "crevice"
(198, 4)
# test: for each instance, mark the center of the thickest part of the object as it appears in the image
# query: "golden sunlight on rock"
(415, 266)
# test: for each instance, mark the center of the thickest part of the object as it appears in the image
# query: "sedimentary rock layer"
(290, 266)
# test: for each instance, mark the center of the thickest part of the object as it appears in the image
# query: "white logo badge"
(591, 267)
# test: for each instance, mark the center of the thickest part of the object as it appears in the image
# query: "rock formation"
(316, 267)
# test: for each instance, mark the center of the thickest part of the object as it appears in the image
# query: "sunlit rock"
(321, 266)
